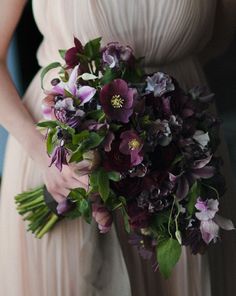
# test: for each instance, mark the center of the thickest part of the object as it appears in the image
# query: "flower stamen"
(134, 144)
(117, 102)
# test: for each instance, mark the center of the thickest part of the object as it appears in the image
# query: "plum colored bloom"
(114, 53)
(71, 55)
(116, 99)
(131, 145)
(84, 93)
(103, 217)
(159, 83)
(59, 157)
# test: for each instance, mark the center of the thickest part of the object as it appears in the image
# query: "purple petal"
(198, 164)
(108, 141)
(183, 188)
(71, 84)
(86, 93)
(63, 207)
(224, 223)
(204, 173)
(209, 230)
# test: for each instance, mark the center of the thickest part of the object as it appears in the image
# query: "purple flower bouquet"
(149, 149)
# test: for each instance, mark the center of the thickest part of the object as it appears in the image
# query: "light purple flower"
(64, 207)
(160, 83)
(83, 93)
(207, 209)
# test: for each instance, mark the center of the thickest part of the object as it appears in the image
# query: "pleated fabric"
(74, 259)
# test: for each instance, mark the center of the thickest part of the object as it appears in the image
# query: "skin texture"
(17, 120)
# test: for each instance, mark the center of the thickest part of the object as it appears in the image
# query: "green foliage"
(92, 48)
(82, 205)
(50, 141)
(103, 184)
(168, 254)
(193, 194)
(47, 69)
(95, 114)
(114, 176)
(48, 124)
(109, 75)
(62, 53)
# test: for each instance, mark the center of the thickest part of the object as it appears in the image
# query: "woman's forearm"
(16, 119)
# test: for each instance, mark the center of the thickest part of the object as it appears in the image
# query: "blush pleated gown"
(74, 259)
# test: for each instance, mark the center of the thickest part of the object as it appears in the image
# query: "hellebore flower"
(71, 55)
(59, 157)
(114, 53)
(201, 138)
(83, 93)
(159, 83)
(131, 145)
(103, 217)
(116, 99)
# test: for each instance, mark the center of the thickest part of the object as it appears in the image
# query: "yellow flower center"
(134, 144)
(117, 101)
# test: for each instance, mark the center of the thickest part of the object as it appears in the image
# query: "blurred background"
(220, 73)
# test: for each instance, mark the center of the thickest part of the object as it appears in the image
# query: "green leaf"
(47, 69)
(92, 48)
(108, 76)
(103, 184)
(91, 142)
(93, 180)
(78, 138)
(77, 156)
(168, 254)
(95, 114)
(48, 124)
(62, 53)
(192, 197)
(126, 220)
(114, 176)
(49, 143)
(85, 210)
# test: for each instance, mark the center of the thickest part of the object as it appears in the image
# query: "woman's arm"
(13, 115)
(224, 29)
(17, 120)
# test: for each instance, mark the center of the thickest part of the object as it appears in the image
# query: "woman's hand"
(59, 183)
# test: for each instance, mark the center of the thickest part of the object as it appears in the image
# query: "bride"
(176, 36)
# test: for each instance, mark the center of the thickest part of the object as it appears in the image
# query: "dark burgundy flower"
(102, 216)
(59, 157)
(115, 160)
(128, 187)
(132, 145)
(139, 218)
(116, 99)
(71, 56)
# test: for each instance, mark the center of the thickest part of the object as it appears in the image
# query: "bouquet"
(148, 147)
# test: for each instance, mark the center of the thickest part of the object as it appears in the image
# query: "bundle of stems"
(34, 209)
